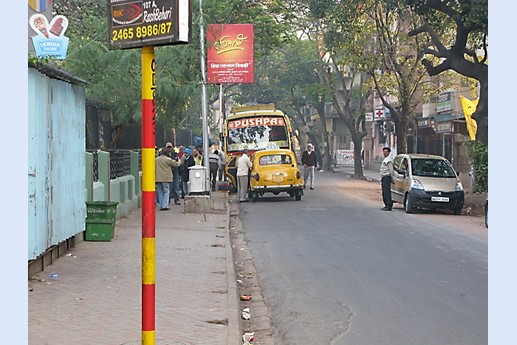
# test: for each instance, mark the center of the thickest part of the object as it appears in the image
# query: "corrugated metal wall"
(56, 175)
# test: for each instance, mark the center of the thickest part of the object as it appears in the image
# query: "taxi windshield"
(275, 159)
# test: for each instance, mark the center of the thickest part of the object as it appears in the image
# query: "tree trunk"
(325, 159)
(481, 113)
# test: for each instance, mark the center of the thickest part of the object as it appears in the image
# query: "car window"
(397, 161)
(428, 167)
(275, 159)
(404, 164)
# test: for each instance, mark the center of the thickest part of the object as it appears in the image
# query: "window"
(275, 159)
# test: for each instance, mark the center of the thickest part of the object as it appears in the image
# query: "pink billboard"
(230, 53)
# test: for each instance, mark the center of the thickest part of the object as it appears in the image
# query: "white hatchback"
(426, 181)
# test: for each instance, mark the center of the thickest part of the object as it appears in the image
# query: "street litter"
(246, 314)
(53, 275)
(245, 297)
(248, 337)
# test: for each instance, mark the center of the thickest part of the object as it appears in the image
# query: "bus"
(253, 127)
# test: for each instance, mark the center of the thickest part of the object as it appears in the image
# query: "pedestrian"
(197, 153)
(213, 161)
(180, 170)
(176, 171)
(180, 151)
(310, 163)
(187, 160)
(386, 176)
(222, 165)
(243, 167)
(164, 165)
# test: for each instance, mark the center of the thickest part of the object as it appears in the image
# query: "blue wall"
(56, 164)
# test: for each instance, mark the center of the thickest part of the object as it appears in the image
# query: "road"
(335, 269)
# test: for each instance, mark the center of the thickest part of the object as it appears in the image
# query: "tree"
(398, 74)
(466, 52)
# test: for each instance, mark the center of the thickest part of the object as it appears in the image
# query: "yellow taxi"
(275, 171)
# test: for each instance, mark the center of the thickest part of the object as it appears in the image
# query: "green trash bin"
(100, 220)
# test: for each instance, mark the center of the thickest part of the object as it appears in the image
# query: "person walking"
(310, 163)
(386, 172)
(187, 160)
(243, 167)
(164, 165)
(222, 165)
(213, 161)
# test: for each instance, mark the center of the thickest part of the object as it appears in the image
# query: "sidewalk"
(371, 175)
(96, 296)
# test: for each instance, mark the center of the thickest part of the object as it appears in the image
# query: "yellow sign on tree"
(469, 107)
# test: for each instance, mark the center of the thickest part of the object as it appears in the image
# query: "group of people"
(172, 172)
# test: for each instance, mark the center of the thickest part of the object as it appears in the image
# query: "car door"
(399, 180)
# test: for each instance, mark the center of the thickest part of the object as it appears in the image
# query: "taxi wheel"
(298, 196)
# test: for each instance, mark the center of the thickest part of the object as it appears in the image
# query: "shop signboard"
(135, 24)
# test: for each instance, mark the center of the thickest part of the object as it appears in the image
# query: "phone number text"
(141, 31)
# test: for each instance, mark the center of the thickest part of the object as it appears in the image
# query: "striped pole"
(148, 194)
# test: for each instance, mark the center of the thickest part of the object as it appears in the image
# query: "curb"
(234, 331)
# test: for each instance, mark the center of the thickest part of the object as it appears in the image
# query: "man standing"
(222, 165)
(213, 161)
(243, 167)
(386, 174)
(187, 160)
(309, 162)
(164, 165)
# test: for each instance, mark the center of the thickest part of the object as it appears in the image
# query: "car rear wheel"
(457, 211)
(298, 195)
(408, 204)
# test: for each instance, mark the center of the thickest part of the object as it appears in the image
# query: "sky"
(502, 231)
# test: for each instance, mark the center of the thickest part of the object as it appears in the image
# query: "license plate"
(439, 199)
(278, 177)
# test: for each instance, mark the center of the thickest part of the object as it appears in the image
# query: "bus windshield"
(255, 133)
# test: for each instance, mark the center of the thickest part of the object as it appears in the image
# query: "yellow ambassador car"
(275, 171)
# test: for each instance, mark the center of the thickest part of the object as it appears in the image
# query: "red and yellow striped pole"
(148, 195)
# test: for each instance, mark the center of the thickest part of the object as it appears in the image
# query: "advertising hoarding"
(230, 53)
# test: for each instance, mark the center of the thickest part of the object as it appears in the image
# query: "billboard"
(50, 39)
(148, 23)
(230, 53)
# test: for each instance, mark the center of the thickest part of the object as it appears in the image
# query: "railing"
(119, 163)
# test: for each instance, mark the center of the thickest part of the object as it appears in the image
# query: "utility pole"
(203, 105)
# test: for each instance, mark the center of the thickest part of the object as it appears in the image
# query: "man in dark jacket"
(309, 162)
(213, 160)
(187, 160)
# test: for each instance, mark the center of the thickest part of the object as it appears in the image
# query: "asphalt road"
(335, 269)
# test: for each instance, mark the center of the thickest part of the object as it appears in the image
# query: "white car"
(426, 181)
